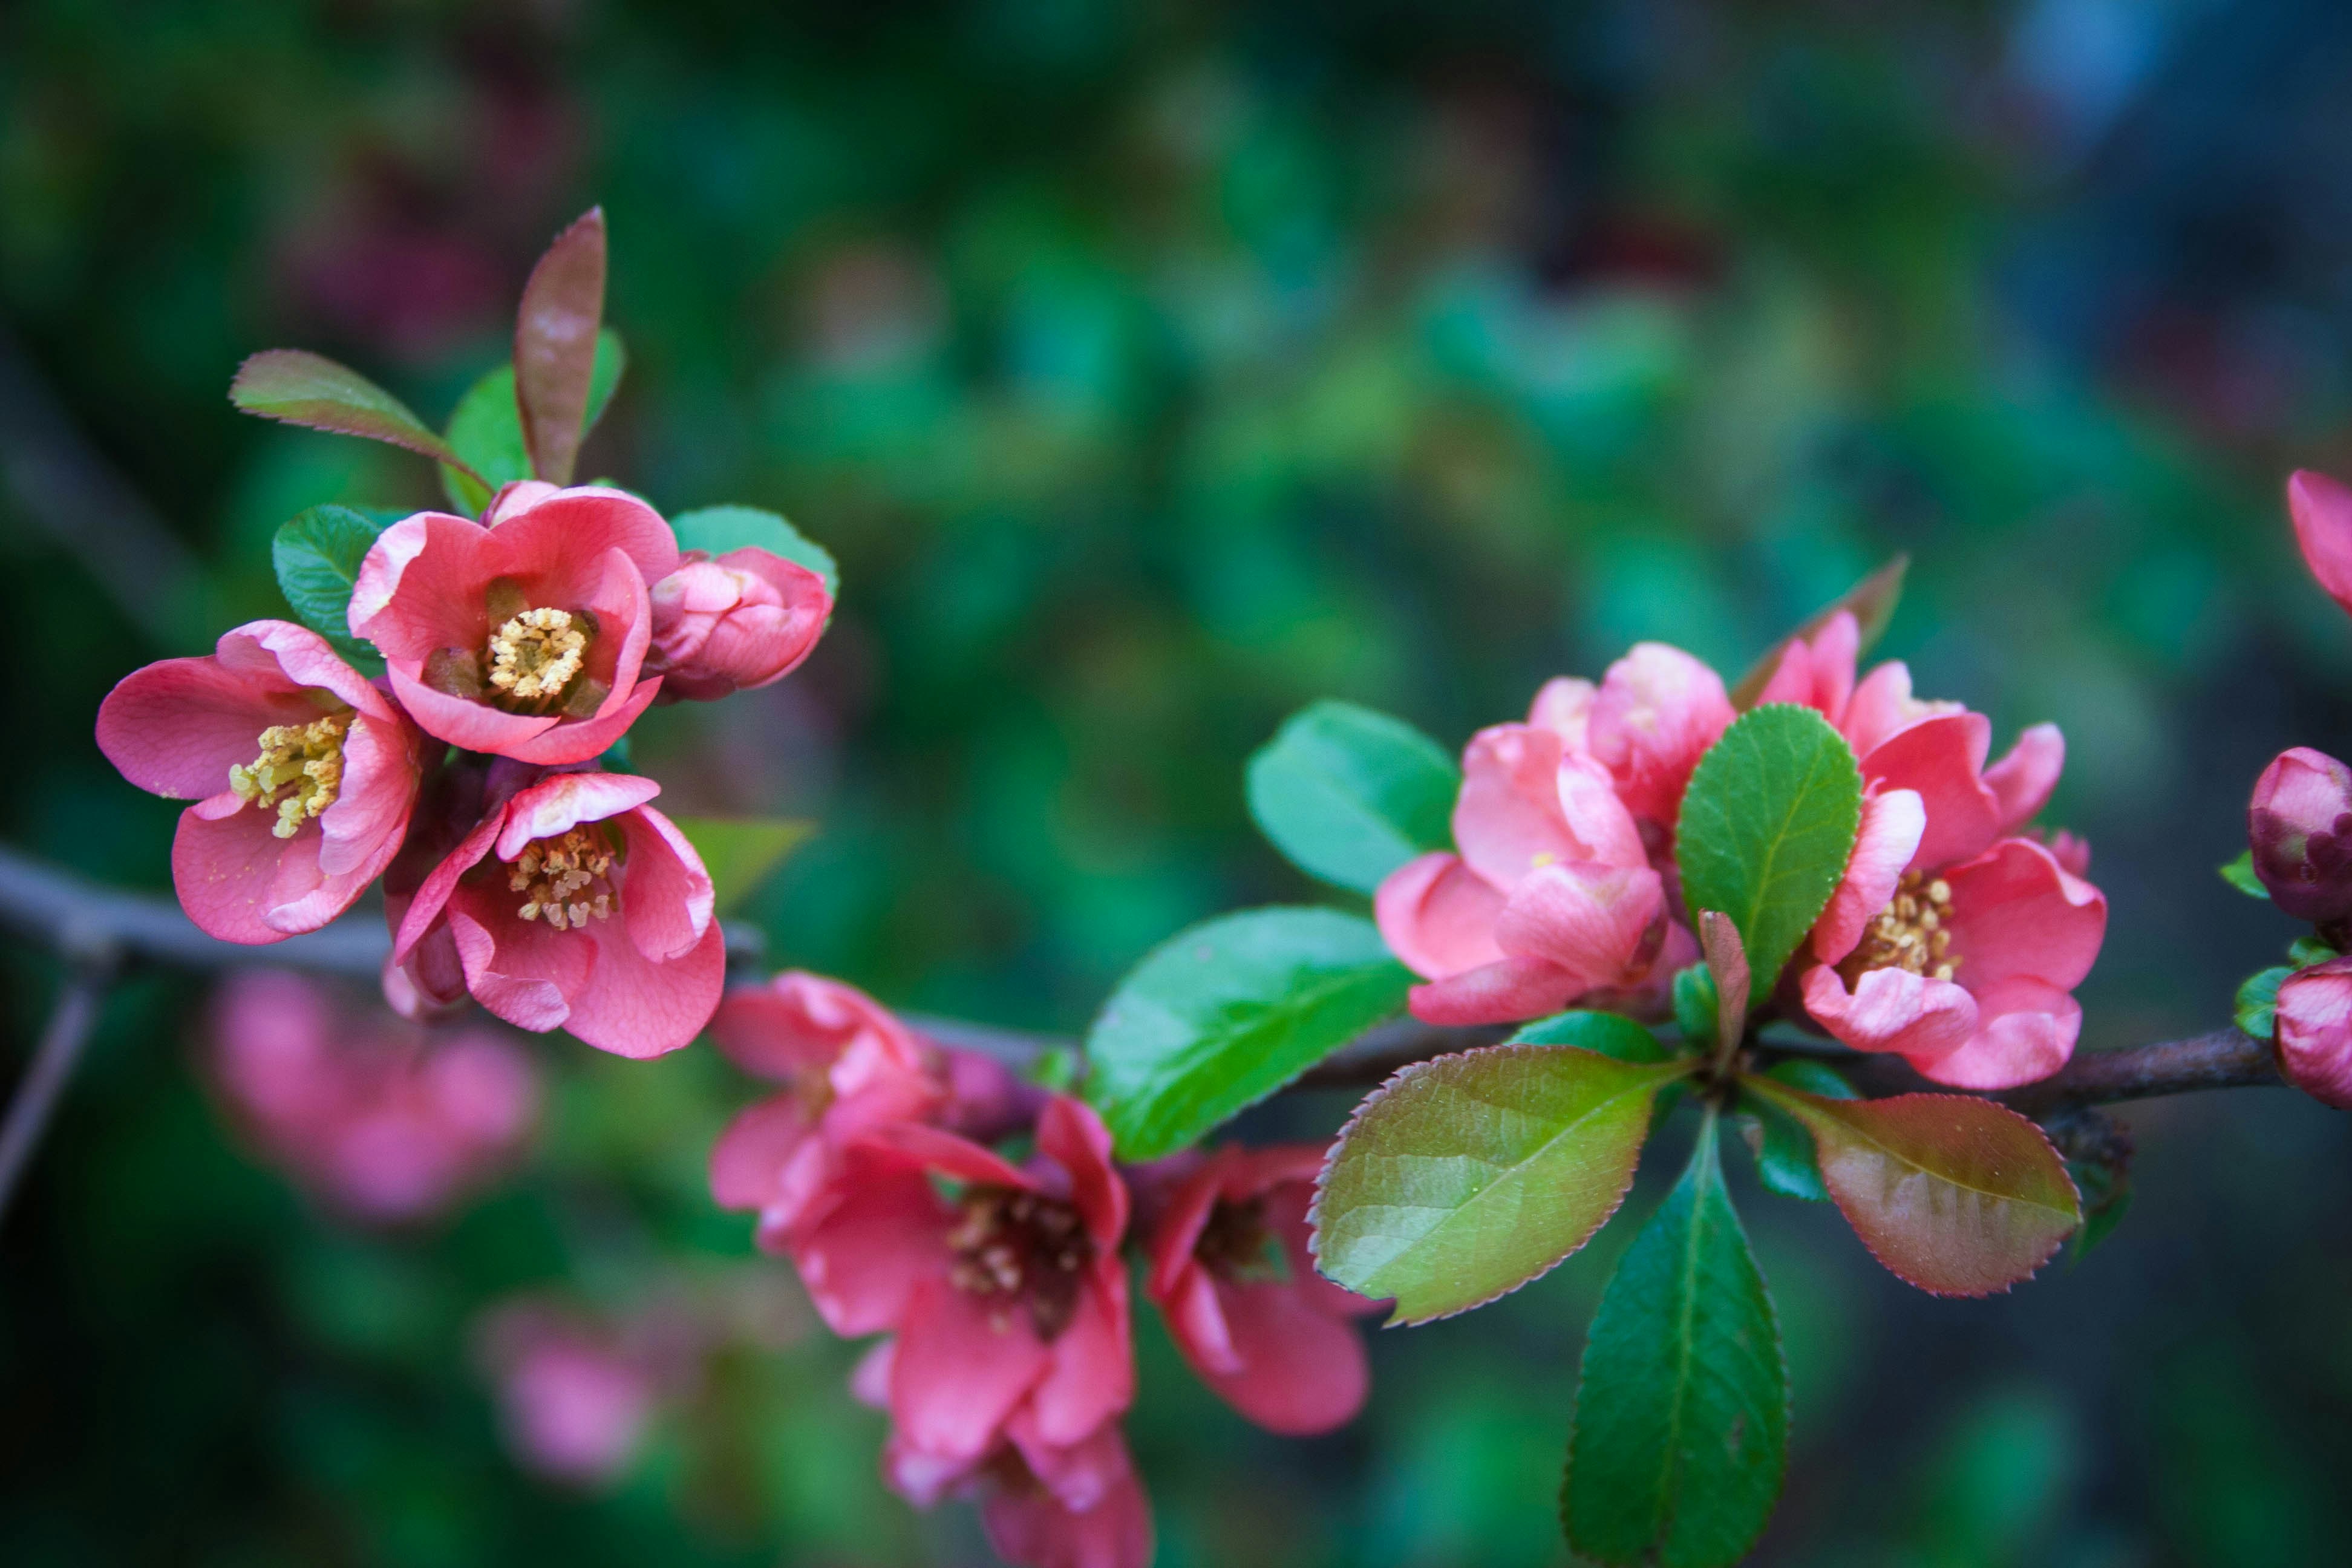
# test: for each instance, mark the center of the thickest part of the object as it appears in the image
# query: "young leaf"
(1872, 603)
(310, 389)
(716, 530)
(1611, 1034)
(486, 428)
(1682, 1405)
(1766, 823)
(1696, 1007)
(555, 345)
(318, 554)
(2257, 1008)
(1221, 1016)
(1463, 1178)
(2306, 951)
(1727, 964)
(742, 853)
(1783, 1149)
(1348, 795)
(2239, 874)
(1955, 1194)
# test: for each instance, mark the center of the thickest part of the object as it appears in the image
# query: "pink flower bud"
(740, 621)
(2314, 1032)
(2300, 825)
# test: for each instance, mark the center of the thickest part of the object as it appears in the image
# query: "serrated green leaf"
(2257, 1007)
(1767, 825)
(2239, 874)
(1222, 1015)
(1681, 1435)
(1783, 1149)
(742, 853)
(720, 529)
(1463, 1177)
(317, 555)
(2306, 951)
(486, 428)
(1955, 1194)
(1348, 795)
(302, 388)
(1611, 1034)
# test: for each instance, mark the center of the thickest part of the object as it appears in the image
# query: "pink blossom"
(303, 774)
(523, 635)
(1003, 1286)
(2321, 510)
(2299, 825)
(2314, 1032)
(575, 1398)
(1657, 712)
(732, 624)
(574, 904)
(384, 1122)
(1231, 1271)
(1552, 895)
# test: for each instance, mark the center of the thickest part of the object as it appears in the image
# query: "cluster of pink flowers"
(1955, 940)
(382, 1121)
(1000, 1286)
(519, 648)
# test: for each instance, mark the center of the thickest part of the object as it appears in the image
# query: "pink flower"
(739, 622)
(2321, 510)
(523, 635)
(1002, 1284)
(384, 1122)
(2314, 1032)
(575, 904)
(2299, 825)
(575, 1400)
(1231, 1271)
(851, 1068)
(303, 774)
(1657, 712)
(1552, 895)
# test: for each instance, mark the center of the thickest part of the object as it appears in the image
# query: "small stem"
(44, 1083)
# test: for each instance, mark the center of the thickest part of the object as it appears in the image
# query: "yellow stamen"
(298, 772)
(1911, 932)
(536, 654)
(564, 880)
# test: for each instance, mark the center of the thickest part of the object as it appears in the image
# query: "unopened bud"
(2299, 824)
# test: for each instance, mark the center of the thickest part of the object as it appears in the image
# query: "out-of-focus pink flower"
(2314, 1031)
(523, 635)
(575, 1398)
(1552, 895)
(2299, 825)
(574, 904)
(2321, 510)
(1001, 1285)
(742, 621)
(850, 1066)
(1232, 1273)
(1657, 712)
(303, 774)
(382, 1120)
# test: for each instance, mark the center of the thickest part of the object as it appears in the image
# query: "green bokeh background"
(1152, 370)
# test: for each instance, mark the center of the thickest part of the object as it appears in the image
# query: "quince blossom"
(743, 620)
(2299, 827)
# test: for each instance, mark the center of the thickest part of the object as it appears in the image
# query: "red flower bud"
(2300, 826)
(2314, 1032)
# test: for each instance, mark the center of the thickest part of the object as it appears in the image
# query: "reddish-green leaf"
(1726, 963)
(1464, 1177)
(1872, 603)
(308, 389)
(1956, 1195)
(555, 345)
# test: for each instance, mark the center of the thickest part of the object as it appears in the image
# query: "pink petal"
(555, 805)
(1508, 817)
(2026, 1031)
(240, 883)
(578, 741)
(420, 588)
(1892, 1010)
(361, 832)
(799, 1022)
(432, 895)
(586, 521)
(1658, 710)
(524, 972)
(1564, 707)
(869, 1380)
(1941, 757)
(1302, 1371)
(1035, 1530)
(2022, 781)
(2322, 509)
(1590, 920)
(1196, 1322)
(1184, 1210)
(474, 726)
(1892, 822)
(754, 1148)
(1091, 1377)
(1818, 673)
(638, 1007)
(668, 901)
(2015, 911)
(883, 1233)
(2314, 1032)
(1073, 1136)
(1507, 991)
(1438, 916)
(176, 727)
(944, 1152)
(963, 1361)
(1597, 820)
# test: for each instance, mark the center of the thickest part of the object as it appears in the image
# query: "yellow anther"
(535, 655)
(563, 880)
(1912, 933)
(298, 772)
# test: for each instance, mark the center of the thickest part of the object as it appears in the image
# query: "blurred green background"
(1153, 369)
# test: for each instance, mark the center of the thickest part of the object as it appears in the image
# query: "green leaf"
(1955, 1194)
(717, 529)
(555, 345)
(1695, 1004)
(486, 428)
(2306, 951)
(1682, 1404)
(742, 853)
(2239, 874)
(1611, 1034)
(1767, 825)
(1783, 1149)
(317, 555)
(310, 389)
(1348, 795)
(1222, 1015)
(1463, 1177)
(2257, 1010)
(1872, 603)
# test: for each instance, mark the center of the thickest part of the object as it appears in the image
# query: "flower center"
(298, 772)
(1237, 1245)
(536, 654)
(1913, 933)
(1018, 1248)
(565, 880)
